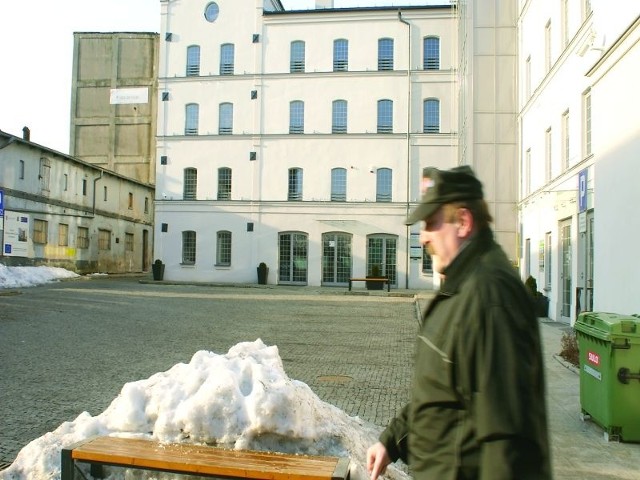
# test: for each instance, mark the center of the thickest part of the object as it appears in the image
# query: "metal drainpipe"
(408, 227)
(95, 181)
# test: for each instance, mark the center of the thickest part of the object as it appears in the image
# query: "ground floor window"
(40, 229)
(128, 242)
(292, 258)
(188, 247)
(82, 239)
(336, 258)
(104, 239)
(223, 248)
(381, 256)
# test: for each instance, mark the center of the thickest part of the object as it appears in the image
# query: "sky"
(37, 55)
(242, 398)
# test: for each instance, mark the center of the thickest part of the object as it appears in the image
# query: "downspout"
(408, 227)
(95, 180)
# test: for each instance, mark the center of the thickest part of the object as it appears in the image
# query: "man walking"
(477, 407)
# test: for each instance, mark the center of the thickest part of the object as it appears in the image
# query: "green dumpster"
(609, 346)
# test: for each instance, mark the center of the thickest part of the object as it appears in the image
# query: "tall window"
(547, 46)
(295, 184)
(128, 242)
(82, 238)
(223, 248)
(296, 117)
(296, 63)
(586, 134)
(104, 193)
(190, 184)
(385, 116)
(45, 174)
(104, 239)
(193, 60)
(339, 116)
(431, 52)
(381, 255)
(431, 116)
(21, 170)
(63, 234)
(65, 182)
(338, 185)
(385, 54)
(40, 231)
(340, 55)
(383, 185)
(188, 247)
(527, 78)
(225, 119)
(130, 201)
(224, 183)
(226, 59)
(191, 119)
(565, 140)
(548, 158)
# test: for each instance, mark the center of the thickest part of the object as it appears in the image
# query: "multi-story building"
(577, 65)
(298, 138)
(61, 211)
(114, 102)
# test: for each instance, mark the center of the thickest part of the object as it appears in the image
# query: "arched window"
(385, 54)
(339, 116)
(295, 184)
(385, 116)
(383, 185)
(338, 184)
(296, 117)
(223, 248)
(193, 60)
(226, 59)
(431, 117)
(225, 119)
(224, 183)
(190, 184)
(431, 53)
(188, 247)
(296, 62)
(191, 119)
(340, 55)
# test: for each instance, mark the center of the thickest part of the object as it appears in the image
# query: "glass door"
(292, 258)
(336, 259)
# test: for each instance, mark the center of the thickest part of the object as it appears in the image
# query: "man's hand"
(377, 460)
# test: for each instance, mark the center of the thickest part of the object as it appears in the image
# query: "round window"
(211, 12)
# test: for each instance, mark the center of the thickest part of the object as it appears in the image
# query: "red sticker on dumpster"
(593, 358)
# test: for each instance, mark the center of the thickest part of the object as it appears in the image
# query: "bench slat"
(205, 460)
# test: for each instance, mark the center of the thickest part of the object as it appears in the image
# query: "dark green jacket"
(477, 408)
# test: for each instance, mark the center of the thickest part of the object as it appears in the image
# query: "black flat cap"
(445, 186)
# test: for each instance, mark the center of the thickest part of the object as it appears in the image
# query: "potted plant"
(158, 269)
(541, 301)
(263, 273)
(376, 272)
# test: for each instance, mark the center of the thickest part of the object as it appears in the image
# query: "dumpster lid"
(605, 324)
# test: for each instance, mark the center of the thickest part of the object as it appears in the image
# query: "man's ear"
(465, 223)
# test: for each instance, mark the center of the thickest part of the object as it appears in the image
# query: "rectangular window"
(227, 53)
(225, 119)
(130, 201)
(40, 231)
(586, 102)
(223, 249)
(193, 60)
(547, 46)
(82, 238)
(296, 117)
(340, 55)
(45, 174)
(385, 54)
(431, 118)
(63, 234)
(21, 172)
(548, 165)
(427, 261)
(385, 116)
(84, 187)
(146, 204)
(104, 193)
(224, 183)
(383, 185)
(339, 116)
(104, 239)
(296, 64)
(431, 52)
(190, 186)
(65, 182)
(565, 140)
(338, 185)
(128, 242)
(192, 112)
(188, 247)
(295, 184)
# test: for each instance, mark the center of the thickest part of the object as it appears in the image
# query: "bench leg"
(66, 465)
(349, 285)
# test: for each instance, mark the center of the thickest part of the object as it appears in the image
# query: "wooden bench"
(371, 279)
(199, 460)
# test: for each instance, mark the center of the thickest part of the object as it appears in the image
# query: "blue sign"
(1, 203)
(582, 191)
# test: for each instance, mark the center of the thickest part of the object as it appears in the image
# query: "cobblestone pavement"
(69, 347)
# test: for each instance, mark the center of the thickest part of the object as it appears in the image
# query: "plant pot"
(374, 285)
(263, 273)
(158, 270)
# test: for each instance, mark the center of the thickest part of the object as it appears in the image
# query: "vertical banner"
(16, 234)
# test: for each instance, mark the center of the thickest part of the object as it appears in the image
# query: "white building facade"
(298, 139)
(567, 135)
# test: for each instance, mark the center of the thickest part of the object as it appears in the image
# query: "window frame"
(227, 58)
(40, 231)
(190, 183)
(296, 117)
(431, 53)
(295, 184)
(191, 118)
(431, 111)
(63, 234)
(104, 239)
(297, 56)
(225, 180)
(385, 116)
(188, 247)
(338, 184)
(385, 54)
(225, 118)
(223, 248)
(193, 61)
(339, 113)
(384, 185)
(82, 241)
(128, 242)
(340, 55)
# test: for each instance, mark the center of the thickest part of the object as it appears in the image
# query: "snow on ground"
(13, 277)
